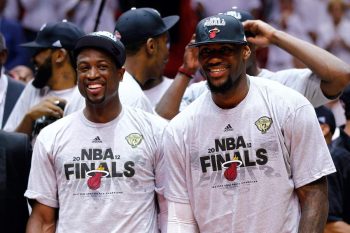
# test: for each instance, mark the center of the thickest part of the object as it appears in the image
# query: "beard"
(223, 88)
(43, 74)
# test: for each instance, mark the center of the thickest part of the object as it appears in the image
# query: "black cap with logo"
(220, 29)
(104, 41)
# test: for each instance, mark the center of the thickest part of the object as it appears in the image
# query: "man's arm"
(169, 105)
(42, 219)
(333, 72)
(313, 200)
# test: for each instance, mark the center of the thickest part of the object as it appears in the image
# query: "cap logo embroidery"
(235, 14)
(213, 32)
(105, 34)
(57, 43)
(214, 21)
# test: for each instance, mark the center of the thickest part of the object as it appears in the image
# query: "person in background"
(339, 182)
(15, 159)
(10, 89)
(54, 85)
(147, 51)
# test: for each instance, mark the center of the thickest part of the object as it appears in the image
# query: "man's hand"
(47, 107)
(190, 62)
(262, 31)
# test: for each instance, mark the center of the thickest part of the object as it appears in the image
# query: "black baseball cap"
(142, 23)
(63, 34)
(220, 29)
(242, 16)
(325, 116)
(104, 41)
(239, 14)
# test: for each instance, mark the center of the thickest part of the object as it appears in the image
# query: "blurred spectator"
(339, 182)
(22, 73)
(291, 23)
(34, 13)
(10, 89)
(14, 36)
(334, 33)
(84, 13)
(205, 8)
(15, 159)
(327, 122)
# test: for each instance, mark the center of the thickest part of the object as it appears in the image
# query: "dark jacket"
(15, 158)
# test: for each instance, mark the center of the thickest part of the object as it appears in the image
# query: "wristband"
(184, 71)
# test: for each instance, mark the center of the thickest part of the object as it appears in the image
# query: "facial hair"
(43, 74)
(223, 88)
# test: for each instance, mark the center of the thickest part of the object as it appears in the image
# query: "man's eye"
(205, 52)
(83, 68)
(226, 51)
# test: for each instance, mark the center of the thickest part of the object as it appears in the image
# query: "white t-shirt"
(66, 156)
(301, 80)
(32, 96)
(155, 94)
(275, 134)
(131, 94)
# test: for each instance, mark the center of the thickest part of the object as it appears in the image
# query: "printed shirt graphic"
(238, 179)
(100, 179)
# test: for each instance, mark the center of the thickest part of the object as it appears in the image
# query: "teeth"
(217, 70)
(94, 86)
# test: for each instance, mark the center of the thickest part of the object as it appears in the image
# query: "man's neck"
(234, 96)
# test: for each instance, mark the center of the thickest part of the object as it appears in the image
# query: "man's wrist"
(186, 72)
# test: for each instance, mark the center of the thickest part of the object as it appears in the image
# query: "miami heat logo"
(231, 168)
(213, 32)
(94, 181)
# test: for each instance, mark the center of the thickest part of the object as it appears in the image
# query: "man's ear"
(151, 46)
(60, 55)
(246, 52)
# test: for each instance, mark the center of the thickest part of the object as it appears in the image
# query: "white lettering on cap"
(105, 34)
(214, 21)
(235, 14)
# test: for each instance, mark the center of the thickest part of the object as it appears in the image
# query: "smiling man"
(98, 169)
(240, 158)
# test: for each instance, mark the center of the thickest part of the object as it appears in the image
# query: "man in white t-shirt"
(240, 158)
(145, 35)
(55, 79)
(98, 169)
(319, 83)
